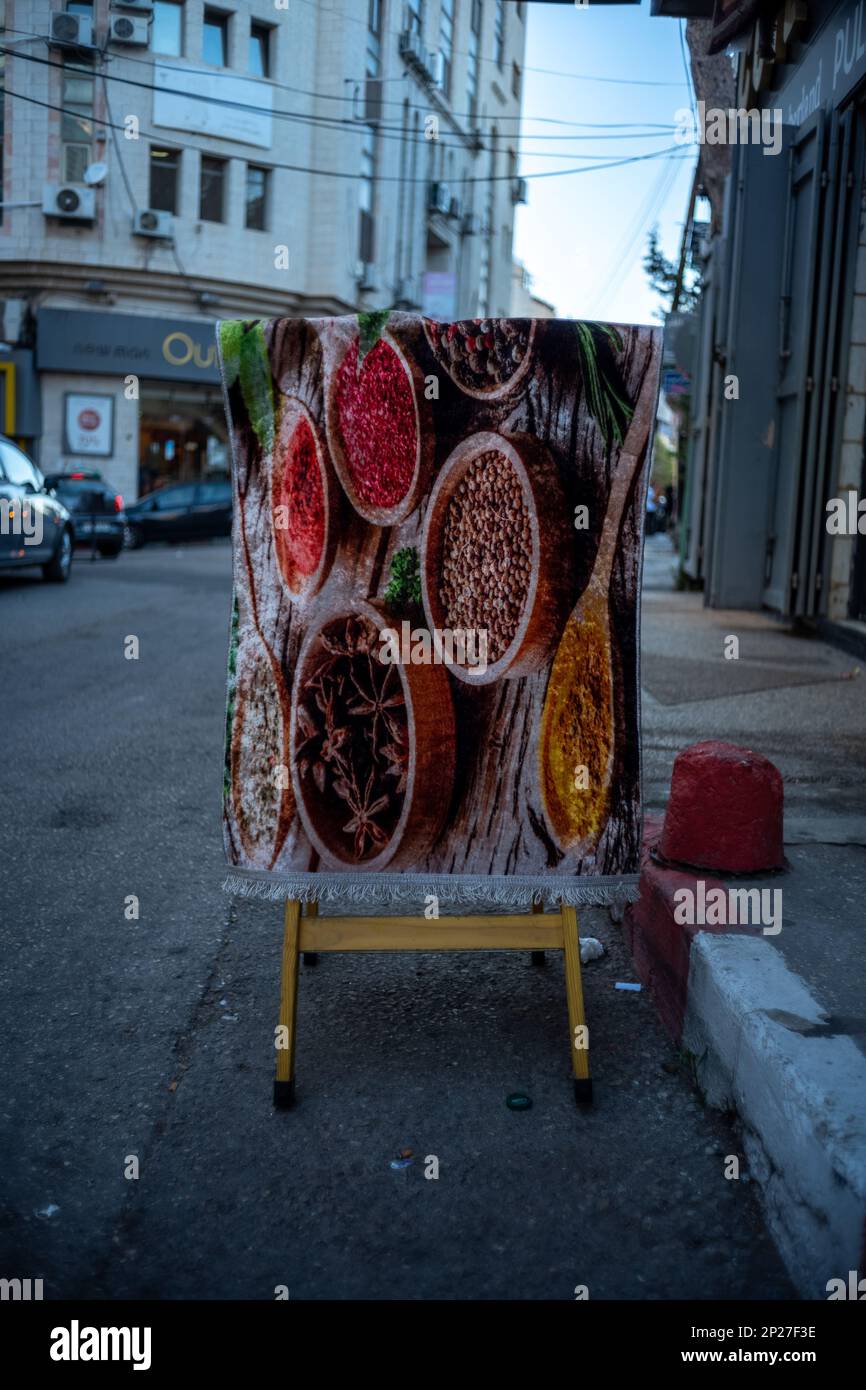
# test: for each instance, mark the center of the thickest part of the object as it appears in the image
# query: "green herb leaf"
(230, 334)
(404, 589)
(598, 345)
(256, 383)
(371, 325)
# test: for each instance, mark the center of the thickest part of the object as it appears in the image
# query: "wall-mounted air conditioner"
(131, 30)
(411, 49)
(436, 67)
(519, 191)
(440, 198)
(69, 202)
(71, 31)
(152, 223)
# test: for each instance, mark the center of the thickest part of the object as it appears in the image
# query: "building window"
(166, 28)
(256, 198)
(446, 42)
(499, 32)
(260, 50)
(366, 239)
(415, 16)
(213, 177)
(164, 171)
(374, 37)
(76, 123)
(472, 56)
(515, 80)
(215, 39)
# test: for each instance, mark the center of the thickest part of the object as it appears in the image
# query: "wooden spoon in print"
(577, 722)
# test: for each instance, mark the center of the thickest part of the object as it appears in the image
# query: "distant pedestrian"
(651, 510)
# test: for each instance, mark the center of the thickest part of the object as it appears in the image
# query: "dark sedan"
(98, 510)
(35, 527)
(182, 512)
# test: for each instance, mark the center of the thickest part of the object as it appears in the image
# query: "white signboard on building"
(213, 103)
(89, 425)
(439, 294)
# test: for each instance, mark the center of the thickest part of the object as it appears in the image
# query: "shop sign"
(834, 62)
(69, 340)
(89, 425)
(213, 103)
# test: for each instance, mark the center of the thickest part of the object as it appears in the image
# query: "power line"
(670, 151)
(360, 81)
(337, 123)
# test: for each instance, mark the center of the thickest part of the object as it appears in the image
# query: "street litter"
(398, 1163)
(620, 984)
(518, 1101)
(590, 949)
(46, 1213)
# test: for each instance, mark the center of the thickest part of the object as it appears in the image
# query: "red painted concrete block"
(725, 810)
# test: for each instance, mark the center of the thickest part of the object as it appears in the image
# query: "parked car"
(182, 512)
(35, 526)
(100, 520)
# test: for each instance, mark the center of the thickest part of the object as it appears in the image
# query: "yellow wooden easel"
(537, 932)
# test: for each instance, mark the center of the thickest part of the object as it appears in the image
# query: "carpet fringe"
(480, 892)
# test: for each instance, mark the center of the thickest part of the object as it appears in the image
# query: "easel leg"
(284, 1083)
(538, 957)
(576, 1015)
(311, 957)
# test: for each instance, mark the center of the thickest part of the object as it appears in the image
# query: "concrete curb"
(762, 1046)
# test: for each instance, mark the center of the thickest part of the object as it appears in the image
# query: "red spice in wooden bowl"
(379, 426)
(304, 502)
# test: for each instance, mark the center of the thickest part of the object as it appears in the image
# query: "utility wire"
(670, 151)
(338, 123)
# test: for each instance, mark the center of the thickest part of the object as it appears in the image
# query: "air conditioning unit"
(142, 6)
(123, 28)
(471, 224)
(412, 51)
(436, 67)
(69, 201)
(519, 191)
(71, 31)
(440, 198)
(150, 222)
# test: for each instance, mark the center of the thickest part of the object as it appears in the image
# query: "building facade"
(167, 163)
(775, 473)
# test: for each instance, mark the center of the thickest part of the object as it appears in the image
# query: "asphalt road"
(153, 1037)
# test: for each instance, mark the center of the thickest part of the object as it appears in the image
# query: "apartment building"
(167, 163)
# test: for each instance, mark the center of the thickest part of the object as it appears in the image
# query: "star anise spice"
(351, 710)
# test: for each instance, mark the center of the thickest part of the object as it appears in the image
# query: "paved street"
(154, 1038)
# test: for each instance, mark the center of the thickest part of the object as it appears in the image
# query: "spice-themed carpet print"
(433, 670)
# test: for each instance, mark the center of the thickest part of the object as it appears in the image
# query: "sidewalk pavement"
(774, 1025)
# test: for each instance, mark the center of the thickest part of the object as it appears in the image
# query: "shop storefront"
(135, 396)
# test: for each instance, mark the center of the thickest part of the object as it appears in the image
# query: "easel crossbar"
(482, 933)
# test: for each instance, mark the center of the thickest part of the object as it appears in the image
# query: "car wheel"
(110, 552)
(59, 566)
(134, 538)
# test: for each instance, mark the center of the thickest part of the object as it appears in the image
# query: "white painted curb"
(802, 1100)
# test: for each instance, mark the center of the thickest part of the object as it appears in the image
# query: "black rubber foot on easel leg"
(310, 957)
(583, 1090)
(538, 958)
(284, 1094)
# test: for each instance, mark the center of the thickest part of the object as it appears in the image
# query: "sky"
(583, 237)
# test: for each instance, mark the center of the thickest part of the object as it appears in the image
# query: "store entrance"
(182, 435)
